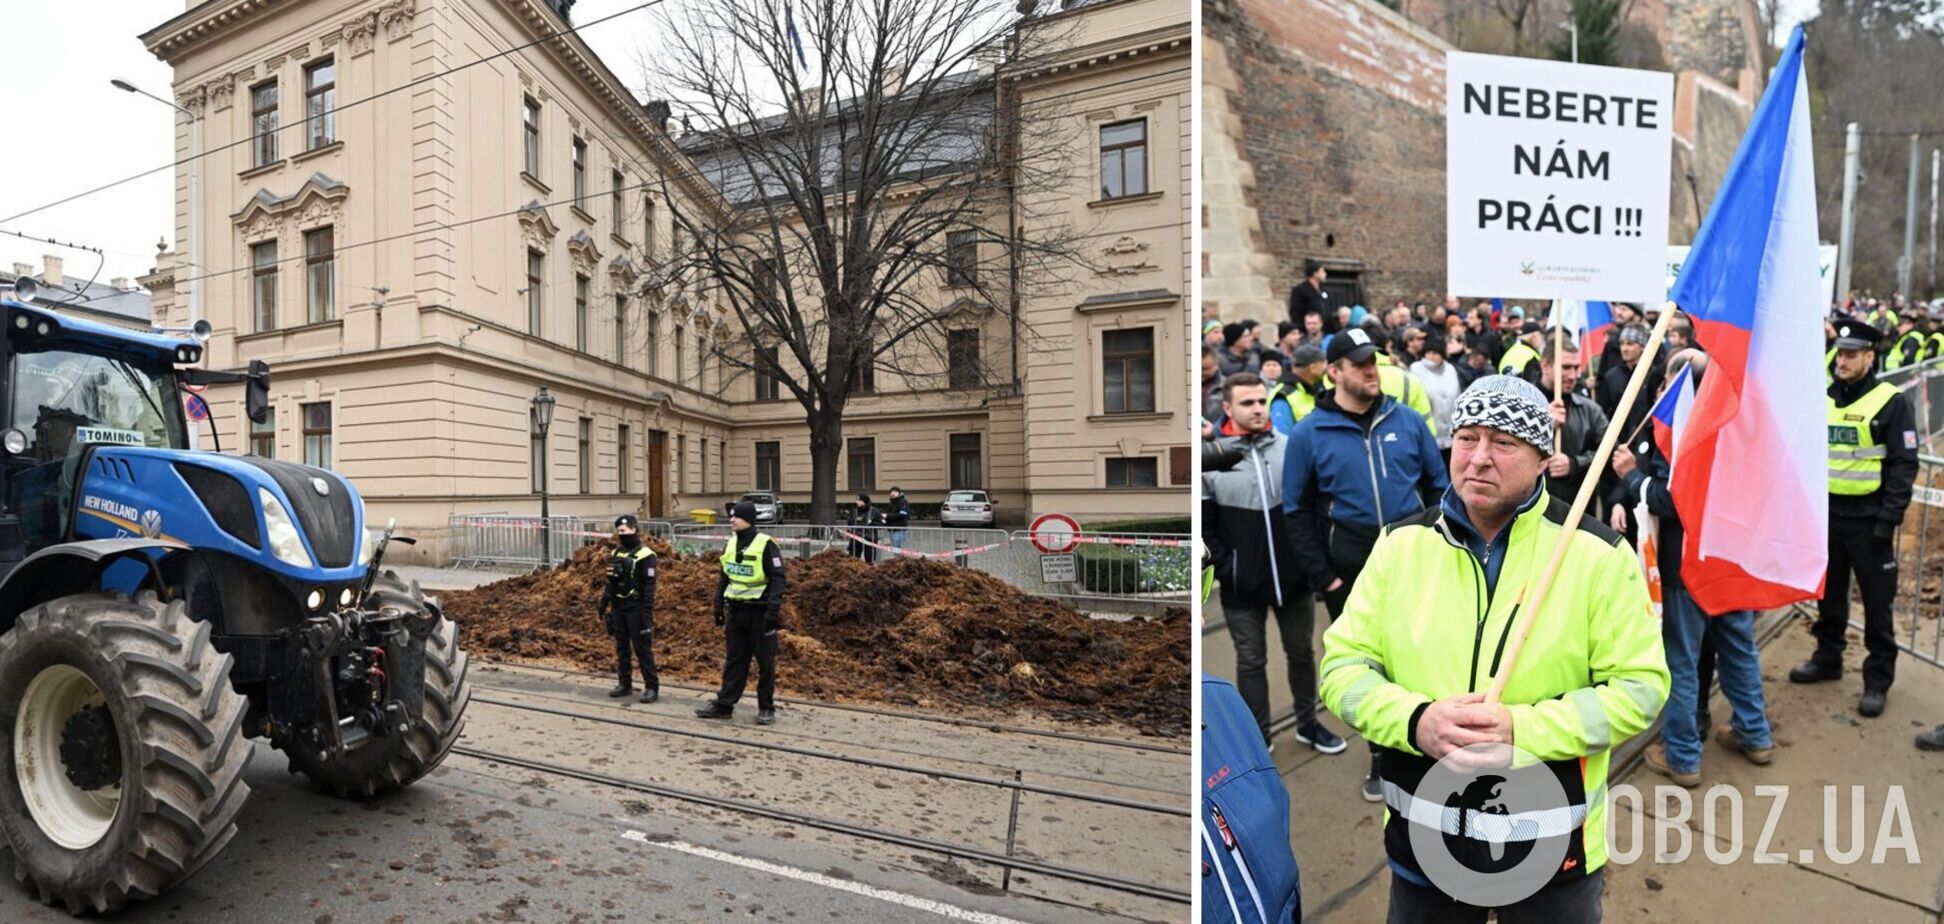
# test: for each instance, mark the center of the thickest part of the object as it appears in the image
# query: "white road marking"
(842, 885)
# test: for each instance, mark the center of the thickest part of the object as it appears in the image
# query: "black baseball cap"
(1353, 344)
(1857, 335)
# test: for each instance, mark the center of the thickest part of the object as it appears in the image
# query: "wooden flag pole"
(1585, 496)
(1559, 343)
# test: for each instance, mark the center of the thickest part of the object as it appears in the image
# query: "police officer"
(1872, 465)
(1522, 357)
(749, 603)
(1909, 348)
(628, 605)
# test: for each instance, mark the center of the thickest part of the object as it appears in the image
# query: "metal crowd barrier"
(1924, 385)
(1138, 572)
(524, 541)
(1918, 612)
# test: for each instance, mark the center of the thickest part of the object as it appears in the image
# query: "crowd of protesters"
(1342, 426)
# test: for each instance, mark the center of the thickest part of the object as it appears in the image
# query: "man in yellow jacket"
(1424, 632)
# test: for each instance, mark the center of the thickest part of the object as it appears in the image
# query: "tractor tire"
(121, 767)
(393, 762)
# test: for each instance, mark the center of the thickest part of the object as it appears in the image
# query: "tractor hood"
(246, 506)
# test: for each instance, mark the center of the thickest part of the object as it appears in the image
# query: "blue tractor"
(160, 606)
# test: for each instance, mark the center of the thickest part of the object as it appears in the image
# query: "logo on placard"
(1525, 267)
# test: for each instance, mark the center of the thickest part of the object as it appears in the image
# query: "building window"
(620, 211)
(962, 358)
(862, 453)
(962, 258)
(317, 435)
(263, 436)
(766, 276)
(532, 138)
(966, 469)
(1127, 370)
(681, 462)
(867, 367)
(769, 466)
(766, 386)
(319, 263)
(624, 466)
(701, 361)
(702, 461)
(722, 465)
(536, 289)
(620, 328)
(320, 104)
(263, 288)
(654, 343)
(681, 371)
(538, 460)
(580, 313)
(1123, 159)
(580, 174)
(263, 124)
(1133, 473)
(585, 436)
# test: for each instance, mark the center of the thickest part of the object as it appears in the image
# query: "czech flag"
(1590, 323)
(1752, 483)
(1671, 412)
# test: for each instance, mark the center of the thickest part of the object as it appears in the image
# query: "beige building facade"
(416, 267)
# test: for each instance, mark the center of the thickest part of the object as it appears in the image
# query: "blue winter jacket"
(1335, 474)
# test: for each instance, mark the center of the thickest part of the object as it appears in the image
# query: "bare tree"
(876, 180)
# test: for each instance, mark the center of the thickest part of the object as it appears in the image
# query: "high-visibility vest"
(747, 578)
(1517, 358)
(622, 571)
(1934, 345)
(1399, 383)
(1909, 349)
(1855, 457)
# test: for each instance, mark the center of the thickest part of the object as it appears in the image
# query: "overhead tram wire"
(247, 139)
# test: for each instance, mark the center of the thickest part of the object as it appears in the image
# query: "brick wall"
(1339, 111)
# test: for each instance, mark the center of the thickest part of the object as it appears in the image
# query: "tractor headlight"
(316, 599)
(368, 545)
(14, 441)
(344, 597)
(284, 540)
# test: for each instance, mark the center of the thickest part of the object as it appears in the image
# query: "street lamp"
(195, 207)
(543, 408)
(1573, 27)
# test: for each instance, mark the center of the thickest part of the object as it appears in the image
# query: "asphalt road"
(483, 841)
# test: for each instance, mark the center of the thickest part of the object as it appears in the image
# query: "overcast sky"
(72, 131)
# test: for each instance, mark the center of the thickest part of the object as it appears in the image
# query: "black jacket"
(1613, 384)
(1243, 526)
(1579, 439)
(1895, 429)
(897, 512)
(1649, 480)
(1305, 298)
(865, 516)
(630, 583)
(772, 599)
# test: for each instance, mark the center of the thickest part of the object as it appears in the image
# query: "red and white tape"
(908, 553)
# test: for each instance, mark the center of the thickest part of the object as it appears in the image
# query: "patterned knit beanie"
(1508, 403)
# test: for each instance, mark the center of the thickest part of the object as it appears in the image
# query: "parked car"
(769, 510)
(966, 508)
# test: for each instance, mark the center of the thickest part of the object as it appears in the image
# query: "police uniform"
(749, 606)
(1521, 360)
(1872, 465)
(629, 605)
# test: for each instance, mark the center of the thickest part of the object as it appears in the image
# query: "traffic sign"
(197, 408)
(1053, 533)
(1063, 568)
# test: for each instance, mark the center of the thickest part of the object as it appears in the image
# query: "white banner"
(1825, 268)
(1556, 178)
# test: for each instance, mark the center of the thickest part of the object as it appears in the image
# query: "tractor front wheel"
(394, 761)
(121, 749)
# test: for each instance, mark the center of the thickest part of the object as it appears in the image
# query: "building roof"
(958, 134)
(96, 301)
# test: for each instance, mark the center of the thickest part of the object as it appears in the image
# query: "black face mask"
(629, 540)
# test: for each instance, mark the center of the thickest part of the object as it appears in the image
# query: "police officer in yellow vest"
(1872, 465)
(1934, 343)
(628, 604)
(1522, 357)
(1909, 348)
(749, 604)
